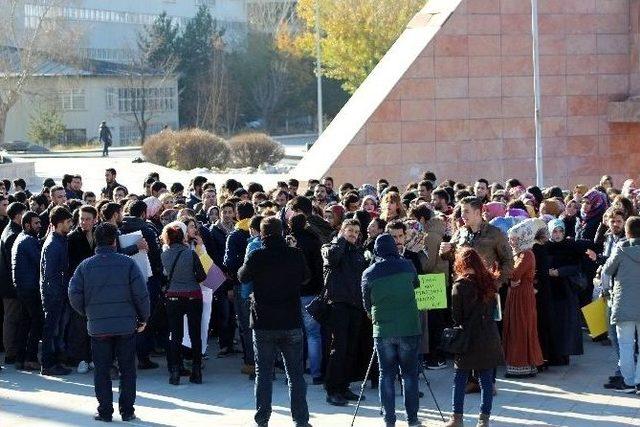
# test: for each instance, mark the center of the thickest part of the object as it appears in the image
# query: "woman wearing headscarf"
(564, 262)
(594, 204)
(520, 327)
(542, 290)
(370, 204)
(154, 207)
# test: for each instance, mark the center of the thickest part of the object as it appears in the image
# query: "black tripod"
(364, 383)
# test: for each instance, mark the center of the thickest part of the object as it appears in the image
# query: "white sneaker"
(83, 367)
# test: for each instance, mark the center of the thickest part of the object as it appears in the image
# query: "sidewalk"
(569, 396)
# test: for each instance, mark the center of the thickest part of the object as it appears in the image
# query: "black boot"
(196, 374)
(174, 379)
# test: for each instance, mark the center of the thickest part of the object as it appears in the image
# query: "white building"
(110, 28)
(108, 32)
(87, 94)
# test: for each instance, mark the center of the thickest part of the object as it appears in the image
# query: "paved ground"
(569, 396)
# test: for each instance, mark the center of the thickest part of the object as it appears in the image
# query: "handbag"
(318, 308)
(456, 340)
(198, 270)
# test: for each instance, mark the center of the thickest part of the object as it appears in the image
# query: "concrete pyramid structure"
(454, 95)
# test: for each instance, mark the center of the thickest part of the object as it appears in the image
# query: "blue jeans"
(289, 343)
(397, 352)
(314, 339)
(613, 336)
(629, 366)
(485, 377)
(243, 313)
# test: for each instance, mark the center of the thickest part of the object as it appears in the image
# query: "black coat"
(278, 273)
(310, 246)
(9, 236)
(79, 249)
(344, 264)
(485, 349)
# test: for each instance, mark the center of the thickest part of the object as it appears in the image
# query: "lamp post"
(319, 69)
(536, 91)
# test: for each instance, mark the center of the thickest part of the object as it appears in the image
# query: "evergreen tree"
(158, 42)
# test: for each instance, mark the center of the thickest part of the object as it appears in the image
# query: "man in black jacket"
(343, 265)
(136, 221)
(81, 246)
(276, 318)
(310, 246)
(109, 290)
(58, 198)
(11, 304)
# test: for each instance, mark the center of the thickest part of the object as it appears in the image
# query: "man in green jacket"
(389, 299)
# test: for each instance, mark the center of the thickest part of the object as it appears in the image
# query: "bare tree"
(269, 15)
(147, 91)
(217, 108)
(31, 32)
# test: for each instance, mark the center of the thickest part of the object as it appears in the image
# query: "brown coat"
(485, 350)
(492, 246)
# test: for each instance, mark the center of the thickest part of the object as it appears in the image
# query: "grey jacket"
(183, 277)
(624, 267)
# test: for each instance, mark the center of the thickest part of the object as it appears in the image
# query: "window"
(74, 136)
(149, 99)
(70, 100)
(130, 134)
(111, 98)
(33, 13)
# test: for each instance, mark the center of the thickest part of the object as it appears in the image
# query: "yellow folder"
(596, 316)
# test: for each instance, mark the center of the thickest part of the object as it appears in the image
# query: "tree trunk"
(4, 112)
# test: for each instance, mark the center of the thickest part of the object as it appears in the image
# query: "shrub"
(194, 148)
(157, 148)
(254, 149)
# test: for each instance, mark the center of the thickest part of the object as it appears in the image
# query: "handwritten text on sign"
(432, 293)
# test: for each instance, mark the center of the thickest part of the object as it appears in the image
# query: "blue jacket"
(235, 250)
(388, 292)
(7, 239)
(54, 265)
(109, 290)
(25, 264)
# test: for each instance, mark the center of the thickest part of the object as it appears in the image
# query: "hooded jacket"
(278, 273)
(321, 228)
(388, 292)
(624, 267)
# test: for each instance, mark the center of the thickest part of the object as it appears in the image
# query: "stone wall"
(464, 108)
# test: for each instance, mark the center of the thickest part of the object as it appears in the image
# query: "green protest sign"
(432, 293)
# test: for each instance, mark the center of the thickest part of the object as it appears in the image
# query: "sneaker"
(54, 371)
(129, 417)
(614, 383)
(436, 366)
(624, 388)
(102, 418)
(83, 367)
(351, 396)
(147, 364)
(336, 400)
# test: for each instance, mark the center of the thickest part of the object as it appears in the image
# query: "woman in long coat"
(564, 262)
(520, 328)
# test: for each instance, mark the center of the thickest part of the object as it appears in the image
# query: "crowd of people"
(315, 281)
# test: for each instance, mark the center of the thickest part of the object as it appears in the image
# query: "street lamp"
(536, 95)
(319, 69)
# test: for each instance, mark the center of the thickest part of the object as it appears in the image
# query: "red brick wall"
(465, 107)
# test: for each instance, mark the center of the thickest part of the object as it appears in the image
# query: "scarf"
(522, 236)
(599, 203)
(243, 224)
